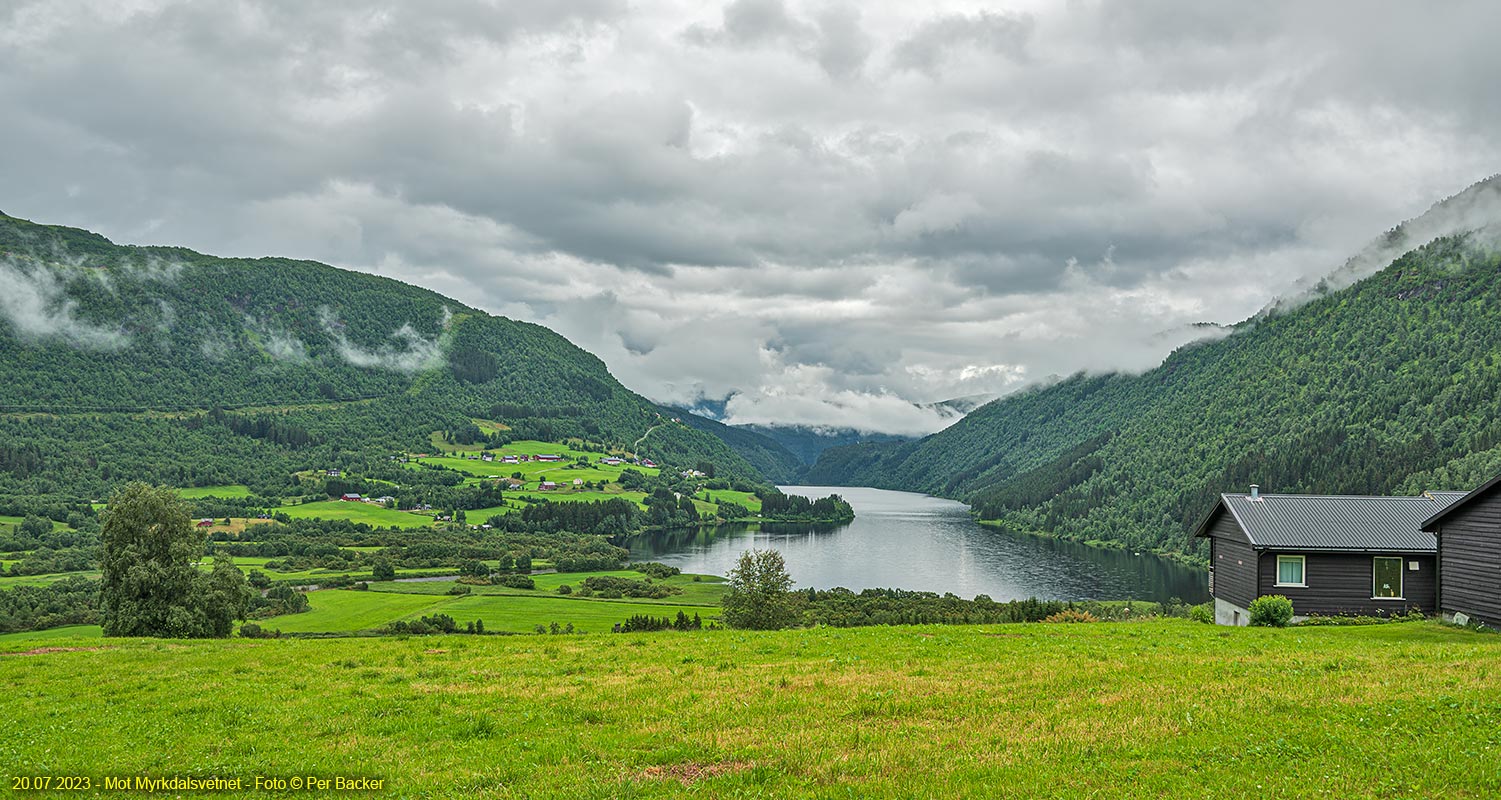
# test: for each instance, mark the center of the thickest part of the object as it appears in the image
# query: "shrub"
(565, 589)
(250, 630)
(1319, 620)
(459, 589)
(614, 587)
(515, 581)
(1071, 615)
(361, 587)
(382, 571)
(1273, 610)
(655, 570)
(1203, 612)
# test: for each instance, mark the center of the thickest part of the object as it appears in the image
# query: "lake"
(912, 541)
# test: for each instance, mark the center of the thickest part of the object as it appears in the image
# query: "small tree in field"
(760, 593)
(382, 570)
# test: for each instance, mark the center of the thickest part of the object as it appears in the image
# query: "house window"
(1386, 578)
(1290, 571)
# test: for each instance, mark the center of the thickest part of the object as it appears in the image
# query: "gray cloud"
(940, 37)
(827, 211)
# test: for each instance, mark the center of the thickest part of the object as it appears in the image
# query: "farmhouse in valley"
(1330, 555)
(1469, 555)
(350, 496)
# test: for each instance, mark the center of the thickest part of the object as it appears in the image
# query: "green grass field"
(343, 610)
(357, 512)
(1164, 709)
(65, 632)
(747, 499)
(706, 592)
(10, 582)
(501, 608)
(311, 576)
(222, 492)
(7, 521)
(523, 614)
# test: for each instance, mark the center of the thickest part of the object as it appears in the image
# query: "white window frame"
(1302, 570)
(1401, 577)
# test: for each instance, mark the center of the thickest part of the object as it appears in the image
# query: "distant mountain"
(163, 364)
(959, 406)
(808, 442)
(766, 454)
(1388, 384)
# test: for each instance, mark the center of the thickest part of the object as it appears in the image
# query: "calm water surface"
(912, 541)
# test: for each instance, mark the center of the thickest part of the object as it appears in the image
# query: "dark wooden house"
(1469, 555)
(1330, 555)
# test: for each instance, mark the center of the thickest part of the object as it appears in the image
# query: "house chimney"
(1255, 492)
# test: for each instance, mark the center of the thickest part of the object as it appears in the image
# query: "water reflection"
(912, 541)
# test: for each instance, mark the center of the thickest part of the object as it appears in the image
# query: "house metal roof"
(1337, 522)
(1432, 523)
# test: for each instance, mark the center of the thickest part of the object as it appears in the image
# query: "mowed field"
(228, 492)
(8, 521)
(563, 472)
(12, 581)
(502, 609)
(1160, 709)
(373, 515)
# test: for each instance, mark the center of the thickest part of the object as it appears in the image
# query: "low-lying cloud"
(33, 300)
(410, 352)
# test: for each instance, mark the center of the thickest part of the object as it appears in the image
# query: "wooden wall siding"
(1469, 546)
(1340, 584)
(1234, 562)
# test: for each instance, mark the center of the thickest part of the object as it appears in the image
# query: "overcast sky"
(828, 210)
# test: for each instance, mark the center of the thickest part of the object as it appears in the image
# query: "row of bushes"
(645, 622)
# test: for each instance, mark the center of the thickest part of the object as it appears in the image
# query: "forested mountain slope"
(766, 454)
(808, 442)
(173, 366)
(1389, 385)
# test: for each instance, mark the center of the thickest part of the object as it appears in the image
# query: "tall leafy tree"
(149, 585)
(760, 593)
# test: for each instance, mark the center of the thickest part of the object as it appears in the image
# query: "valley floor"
(1165, 708)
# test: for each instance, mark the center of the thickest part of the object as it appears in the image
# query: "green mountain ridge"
(168, 365)
(765, 453)
(808, 442)
(1388, 385)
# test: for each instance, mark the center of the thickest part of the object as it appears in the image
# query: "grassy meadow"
(228, 492)
(9, 521)
(502, 609)
(372, 515)
(12, 581)
(1160, 709)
